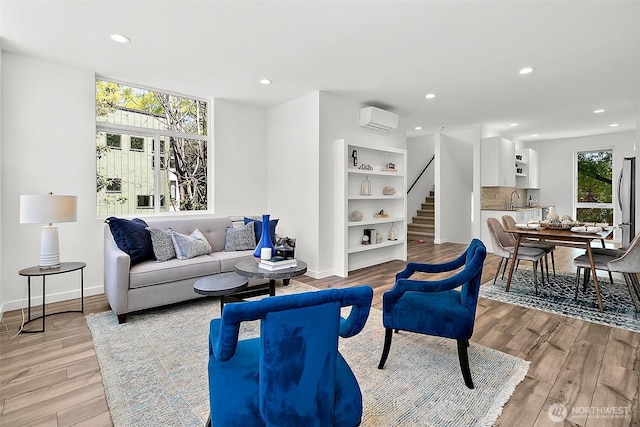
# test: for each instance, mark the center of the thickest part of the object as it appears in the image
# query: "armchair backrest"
(476, 254)
(298, 349)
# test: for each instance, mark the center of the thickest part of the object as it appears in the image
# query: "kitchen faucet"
(512, 205)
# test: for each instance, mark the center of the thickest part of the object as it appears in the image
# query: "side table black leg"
(82, 289)
(43, 304)
(29, 290)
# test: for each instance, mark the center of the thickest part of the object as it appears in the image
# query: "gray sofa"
(151, 284)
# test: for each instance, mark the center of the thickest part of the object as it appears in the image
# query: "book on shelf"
(271, 267)
(278, 260)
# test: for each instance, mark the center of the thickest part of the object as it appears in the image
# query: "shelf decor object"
(393, 232)
(265, 239)
(365, 188)
(48, 209)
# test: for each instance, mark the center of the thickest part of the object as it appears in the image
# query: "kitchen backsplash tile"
(499, 197)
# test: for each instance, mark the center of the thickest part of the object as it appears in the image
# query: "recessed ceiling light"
(430, 95)
(534, 134)
(418, 128)
(265, 81)
(513, 124)
(526, 70)
(614, 125)
(119, 38)
(598, 111)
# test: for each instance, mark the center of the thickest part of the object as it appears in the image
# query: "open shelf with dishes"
(370, 190)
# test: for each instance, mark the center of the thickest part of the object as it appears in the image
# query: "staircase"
(423, 224)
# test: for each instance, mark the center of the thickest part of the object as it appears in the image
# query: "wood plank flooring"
(53, 378)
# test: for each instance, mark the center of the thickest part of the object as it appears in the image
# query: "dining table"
(559, 237)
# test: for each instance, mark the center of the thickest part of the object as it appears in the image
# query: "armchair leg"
(388, 335)
(463, 357)
(208, 424)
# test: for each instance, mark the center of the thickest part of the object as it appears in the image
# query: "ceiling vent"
(376, 118)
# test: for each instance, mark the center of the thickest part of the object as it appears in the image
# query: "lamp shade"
(47, 209)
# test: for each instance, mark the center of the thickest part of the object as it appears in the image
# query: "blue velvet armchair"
(436, 307)
(292, 374)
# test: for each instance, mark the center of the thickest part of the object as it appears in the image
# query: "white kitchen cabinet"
(349, 252)
(497, 162)
(527, 168)
(534, 169)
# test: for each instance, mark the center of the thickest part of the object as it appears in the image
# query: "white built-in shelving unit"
(349, 252)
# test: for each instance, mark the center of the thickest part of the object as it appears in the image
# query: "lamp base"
(49, 248)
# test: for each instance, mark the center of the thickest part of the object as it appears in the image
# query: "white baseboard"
(50, 298)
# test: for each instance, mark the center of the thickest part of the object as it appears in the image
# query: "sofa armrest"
(116, 274)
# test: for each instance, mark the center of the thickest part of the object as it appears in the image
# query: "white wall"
(48, 144)
(1, 299)
(240, 159)
(292, 174)
(557, 162)
(455, 177)
(419, 152)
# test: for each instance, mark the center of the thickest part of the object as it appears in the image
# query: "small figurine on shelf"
(354, 156)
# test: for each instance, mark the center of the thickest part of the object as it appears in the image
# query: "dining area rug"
(558, 296)
(154, 370)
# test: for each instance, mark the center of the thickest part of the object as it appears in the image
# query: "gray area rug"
(558, 296)
(154, 370)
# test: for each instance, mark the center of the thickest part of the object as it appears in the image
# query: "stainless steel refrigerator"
(627, 199)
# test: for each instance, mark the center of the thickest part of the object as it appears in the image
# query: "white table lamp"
(47, 209)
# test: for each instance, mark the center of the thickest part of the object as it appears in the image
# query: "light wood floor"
(53, 378)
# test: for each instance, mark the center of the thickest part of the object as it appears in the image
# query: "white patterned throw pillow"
(240, 239)
(162, 243)
(190, 246)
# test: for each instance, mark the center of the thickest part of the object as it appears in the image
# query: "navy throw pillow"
(257, 226)
(132, 237)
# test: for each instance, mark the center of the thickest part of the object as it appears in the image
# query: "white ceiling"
(586, 55)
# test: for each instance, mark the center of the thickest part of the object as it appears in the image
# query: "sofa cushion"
(228, 260)
(132, 237)
(190, 246)
(257, 225)
(240, 239)
(149, 273)
(162, 244)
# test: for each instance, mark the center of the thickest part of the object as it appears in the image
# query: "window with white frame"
(140, 128)
(594, 186)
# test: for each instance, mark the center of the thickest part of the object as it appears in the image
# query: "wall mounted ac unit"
(379, 119)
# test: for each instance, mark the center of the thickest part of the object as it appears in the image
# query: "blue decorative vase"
(265, 238)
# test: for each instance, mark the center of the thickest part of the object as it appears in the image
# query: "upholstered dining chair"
(626, 262)
(436, 307)
(504, 248)
(509, 222)
(292, 374)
